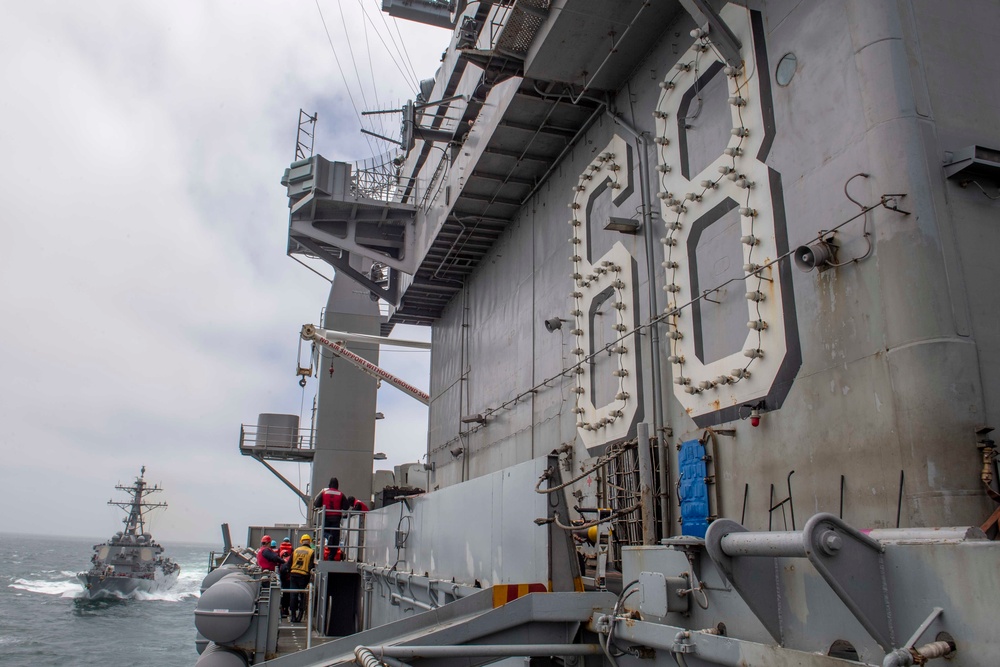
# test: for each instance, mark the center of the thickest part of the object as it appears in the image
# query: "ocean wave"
(168, 595)
(66, 589)
(185, 588)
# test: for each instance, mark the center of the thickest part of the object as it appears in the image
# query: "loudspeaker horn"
(816, 254)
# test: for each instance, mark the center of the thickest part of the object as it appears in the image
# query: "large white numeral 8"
(746, 375)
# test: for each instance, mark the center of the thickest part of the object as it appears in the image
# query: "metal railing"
(380, 178)
(351, 539)
(513, 25)
(498, 20)
(309, 609)
(278, 438)
(436, 183)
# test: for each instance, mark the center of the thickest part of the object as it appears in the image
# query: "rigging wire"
(329, 280)
(350, 96)
(379, 119)
(407, 60)
(383, 144)
(413, 78)
(350, 50)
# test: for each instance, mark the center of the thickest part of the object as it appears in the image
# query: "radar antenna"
(305, 137)
(411, 129)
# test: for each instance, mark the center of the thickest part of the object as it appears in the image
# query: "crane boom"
(315, 334)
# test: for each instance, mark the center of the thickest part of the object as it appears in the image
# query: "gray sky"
(147, 308)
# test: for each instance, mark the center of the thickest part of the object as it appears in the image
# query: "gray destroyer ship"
(131, 561)
(712, 346)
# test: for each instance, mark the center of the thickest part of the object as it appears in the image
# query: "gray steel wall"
(498, 543)
(344, 443)
(896, 350)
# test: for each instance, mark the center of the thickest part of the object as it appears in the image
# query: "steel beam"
(717, 30)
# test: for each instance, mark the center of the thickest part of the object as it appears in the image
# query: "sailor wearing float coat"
(303, 560)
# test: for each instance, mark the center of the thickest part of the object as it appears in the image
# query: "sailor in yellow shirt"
(303, 559)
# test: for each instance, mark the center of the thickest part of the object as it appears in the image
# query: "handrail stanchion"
(309, 615)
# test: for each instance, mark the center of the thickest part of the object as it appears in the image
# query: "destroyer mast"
(135, 507)
(131, 560)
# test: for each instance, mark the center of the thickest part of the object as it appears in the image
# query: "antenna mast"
(135, 523)
(305, 137)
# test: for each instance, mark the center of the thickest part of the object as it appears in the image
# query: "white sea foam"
(186, 586)
(66, 589)
(64, 583)
(167, 595)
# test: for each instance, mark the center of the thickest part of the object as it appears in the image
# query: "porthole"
(786, 69)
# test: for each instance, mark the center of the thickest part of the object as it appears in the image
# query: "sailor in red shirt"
(267, 559)
(356, 505)
(333, 501)
(285, 548)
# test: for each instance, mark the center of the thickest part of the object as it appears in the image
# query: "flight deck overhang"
(596, 44)
(521, 133)
(519, 85)
(537, 107)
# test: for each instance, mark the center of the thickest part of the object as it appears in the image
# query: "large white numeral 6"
(607, 280)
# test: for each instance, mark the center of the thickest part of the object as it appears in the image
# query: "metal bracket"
(850, 562)
(564, 568)
(889, 202)
(342, 264)
(718, 32)
(755, 579)
(306, 500)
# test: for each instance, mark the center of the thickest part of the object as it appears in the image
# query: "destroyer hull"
(97, 587)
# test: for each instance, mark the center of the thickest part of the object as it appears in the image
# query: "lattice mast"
(305, 136)
(136, 507)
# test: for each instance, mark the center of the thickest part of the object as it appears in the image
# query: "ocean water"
(44, 622)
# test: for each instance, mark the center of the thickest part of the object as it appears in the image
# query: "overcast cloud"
(146, 304)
